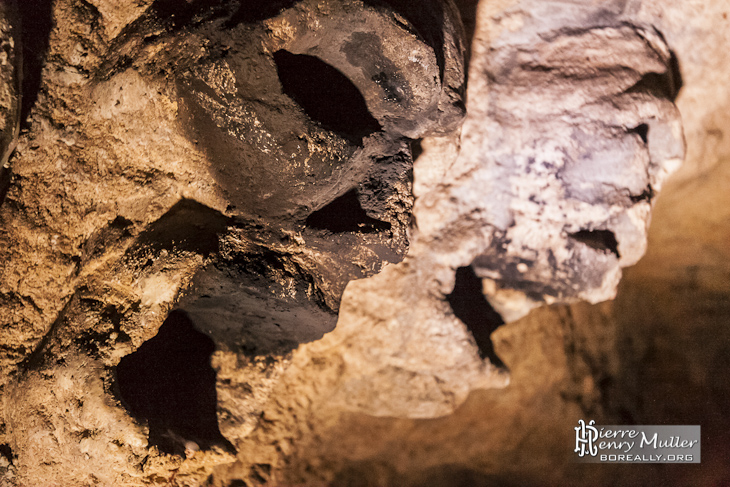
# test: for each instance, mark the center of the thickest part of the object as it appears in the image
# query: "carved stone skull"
(306, 112)
(573, 137)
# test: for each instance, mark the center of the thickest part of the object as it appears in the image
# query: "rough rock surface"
(10, 88)
(576, 135)
(186, 220)
(180, 155)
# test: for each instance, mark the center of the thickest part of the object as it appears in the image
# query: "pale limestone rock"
(569, 138)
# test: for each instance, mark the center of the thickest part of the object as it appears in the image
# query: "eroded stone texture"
(567, 362)
(179, 155)
(10, 91)
(571, 138)
(571, 131)
(137, 190)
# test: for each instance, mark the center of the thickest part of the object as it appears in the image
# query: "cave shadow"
(371, 473)
(472, 308)
(326, 95)
(36, 23)
(188, 226)
(35, 19)
(468, 11)
(169, 384)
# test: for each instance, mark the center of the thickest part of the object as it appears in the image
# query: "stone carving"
(571, 144)
(201, 171)
(180, 171)
(547, 193)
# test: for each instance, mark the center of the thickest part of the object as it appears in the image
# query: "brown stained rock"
(180, 155)
(656, 354)
(570, 134)
(10, 88)
(577, 364)
(184, 220)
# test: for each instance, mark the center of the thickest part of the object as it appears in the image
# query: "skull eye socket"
(325, 95)
(169, 384)
(602, 240)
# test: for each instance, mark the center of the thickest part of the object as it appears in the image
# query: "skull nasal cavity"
(169, 383)
(325, 95)
(345, 214)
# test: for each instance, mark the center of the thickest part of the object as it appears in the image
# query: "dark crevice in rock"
(646, 195)
(472, 308)
(169, 383)
(7, 452)
(603, 240)
(416, 149)
(660, 85)
(37, 356)
(325, 95)
(676, 77)
(100, 241)
(345, 214)
(260, 473)
(6, 177)
(642, 130)
(36, 21)
(179, 14)
(468, 11)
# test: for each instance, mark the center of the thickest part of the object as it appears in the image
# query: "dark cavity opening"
(468, 11)
(603, 240)
(676, 76)
(6, 177)
(177, 15)
(416, 149)
(646, 195)
(642, 130)
(7, 452)
(169, 383)
(188, 226)
(36, 20)
(472, 308)
(345, 214)
(325, 95)
(662, 85)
